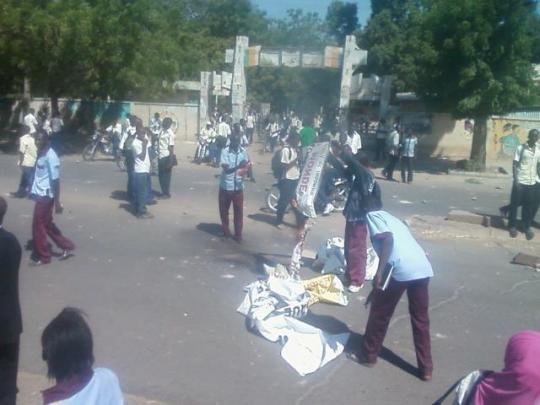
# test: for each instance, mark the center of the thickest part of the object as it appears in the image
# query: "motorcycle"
(337, 198)
(102, 143)
(202, 153)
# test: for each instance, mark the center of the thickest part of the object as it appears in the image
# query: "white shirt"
(27, 146)
(208, 134)
(31, 122)
(288, 155)
(166, 139)
(408, 146)
(392, 142)
(56, 124)
(355, 142)
(129, 131)
(47, 170)
(224, 129)
(527, 169)
(102, 389)
(250, 121)
(141, 165)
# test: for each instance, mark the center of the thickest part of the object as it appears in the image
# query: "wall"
(507, 132)
(185, 115)
(448, 138)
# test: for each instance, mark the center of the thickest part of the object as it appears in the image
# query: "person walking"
(10, 311)
(407, 156)
(250, 126)
(141, 171)
(363, 186)
(126, 141)
(31, 121)
(411, 271)
(46, 194)
(308, 136)
(289, 178)
(524, 189)
(380, 140)
(234, 163)
(27, 161)
(392, 146)
(166, 157)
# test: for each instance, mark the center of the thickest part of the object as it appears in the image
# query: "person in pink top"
(519, 381)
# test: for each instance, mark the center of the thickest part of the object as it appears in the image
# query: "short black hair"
(67, 345)
(167, 123)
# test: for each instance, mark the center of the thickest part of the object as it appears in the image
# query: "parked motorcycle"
(338, 196)
(102, 143)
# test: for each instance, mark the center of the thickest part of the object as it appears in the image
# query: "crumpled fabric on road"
(272, 307)
(328, 289)
(331, 258)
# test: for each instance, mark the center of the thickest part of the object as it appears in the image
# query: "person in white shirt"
(392, 145)
(166, 157)
(30, 120)
(67, 348)
(525, 173)
(115, 133)
(141, 171)
(250, 127)
(354, 141)
(289, 178)
(206, 145)
(27, 161)
(407, 156)
(57, 124)
(223, 133)
(380, 139)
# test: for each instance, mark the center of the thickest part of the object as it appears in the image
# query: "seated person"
(67, 348)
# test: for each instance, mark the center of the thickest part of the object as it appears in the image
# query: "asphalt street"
(161, 294)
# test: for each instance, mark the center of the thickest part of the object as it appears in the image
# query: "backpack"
(277, 166)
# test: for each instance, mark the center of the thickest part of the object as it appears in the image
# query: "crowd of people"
(403, 264)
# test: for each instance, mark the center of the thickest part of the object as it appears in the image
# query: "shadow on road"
(212, 229)
(119, 195)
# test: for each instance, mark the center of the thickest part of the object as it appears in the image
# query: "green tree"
(479, 61)
(341, 20)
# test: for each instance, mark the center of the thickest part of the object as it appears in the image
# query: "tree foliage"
(341, 20)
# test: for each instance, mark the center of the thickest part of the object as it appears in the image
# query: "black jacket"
(10, 309)
(363, 185)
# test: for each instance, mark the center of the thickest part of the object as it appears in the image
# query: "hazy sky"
(278, 8)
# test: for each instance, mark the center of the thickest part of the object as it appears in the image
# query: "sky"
(278, 8)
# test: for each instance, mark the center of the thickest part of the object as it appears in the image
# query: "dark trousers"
(391, 166)
(526, 197)
(249, 134)
(165, 173)
(140, 186)
(27, 178)
(287, 192)
(130, 182)
(225, 198)
(9, 363)
(537, 201)
(356, 251)
(407, 169)
(43, 226)
(380, 146)
(382, 309)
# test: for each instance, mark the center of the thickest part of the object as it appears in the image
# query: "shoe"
(146, 215)
(354, 288)
(164, 197)
(152, 202)
(361, 359)
(66, 254)
(529, 234)
(225, 234)
(237, 239)
(35, 263)
(328, 209)
(279, 226)
(513, 232)
(425, 376)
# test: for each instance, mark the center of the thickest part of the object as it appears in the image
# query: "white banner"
(310, 179)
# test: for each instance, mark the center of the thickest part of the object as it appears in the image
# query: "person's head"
(156, 116)
(139, 129)
(343, 138)
(32, 111)
(363, 159)
(167, 123)
(293, 139)
(234, 141)
(208, 125)
(67, 345)
(242, 121)
(533, 137)
(3, 209)
(42, 140)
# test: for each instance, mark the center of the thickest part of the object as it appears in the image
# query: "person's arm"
(286, 164)
(516, 162)
(386, 241)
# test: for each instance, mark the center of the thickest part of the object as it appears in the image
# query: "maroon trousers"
(356, 251)
(382, 309)
(237, 199)
(43, 226)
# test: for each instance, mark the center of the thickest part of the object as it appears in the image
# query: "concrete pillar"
(386, 93)
(204, 99)
(238, 91)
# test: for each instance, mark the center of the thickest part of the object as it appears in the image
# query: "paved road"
(161, 294)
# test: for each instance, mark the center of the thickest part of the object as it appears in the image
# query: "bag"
(277, 167)
(465, 388)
